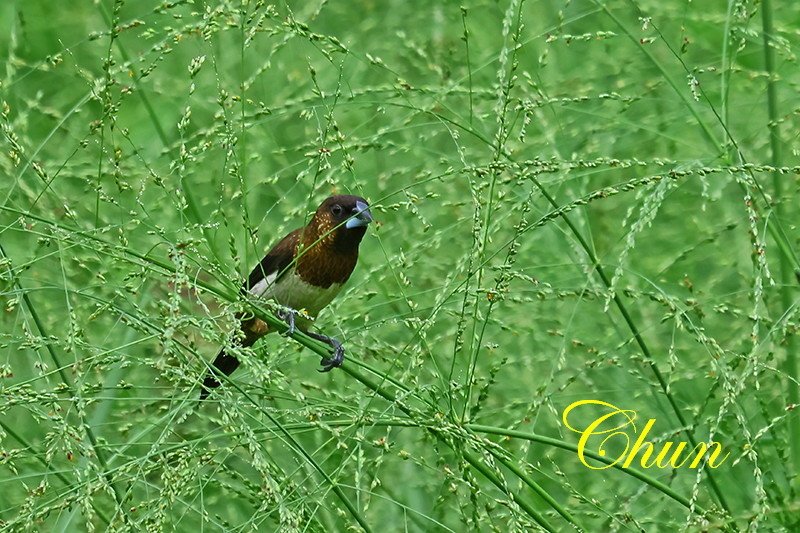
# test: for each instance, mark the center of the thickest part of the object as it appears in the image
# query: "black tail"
(223, 364)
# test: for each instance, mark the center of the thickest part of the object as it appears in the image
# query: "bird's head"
(341, 222)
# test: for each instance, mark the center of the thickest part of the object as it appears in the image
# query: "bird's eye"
(336, 210)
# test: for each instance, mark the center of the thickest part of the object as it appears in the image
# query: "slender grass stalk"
(775, 228)
(648, 357)
(481, 467)
(299, 336)
(148, 132)
(70, 387)
(476, 463)
(469, 65)
(791, 362)
(507, 78)
(40, 456)
(538, 489)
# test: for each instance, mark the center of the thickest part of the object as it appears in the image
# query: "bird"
(304, 271)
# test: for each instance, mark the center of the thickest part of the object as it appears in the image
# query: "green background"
(575, 200)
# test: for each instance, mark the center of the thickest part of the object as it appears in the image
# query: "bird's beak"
(361, 216)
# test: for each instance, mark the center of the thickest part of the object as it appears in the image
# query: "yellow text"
(613, 428)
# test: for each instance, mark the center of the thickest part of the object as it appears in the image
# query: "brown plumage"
(304, 271)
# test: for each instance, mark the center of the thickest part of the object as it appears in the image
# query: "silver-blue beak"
(361, 216)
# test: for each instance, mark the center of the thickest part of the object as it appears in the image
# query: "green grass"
(576, 200)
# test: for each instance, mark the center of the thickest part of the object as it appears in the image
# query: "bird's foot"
(328, 363)
(288, 315)
(336, 360)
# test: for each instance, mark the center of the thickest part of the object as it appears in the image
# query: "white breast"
(295, 293)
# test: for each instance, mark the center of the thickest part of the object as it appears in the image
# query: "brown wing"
(278, 259)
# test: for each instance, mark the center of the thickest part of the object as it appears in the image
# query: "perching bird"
(304, 271)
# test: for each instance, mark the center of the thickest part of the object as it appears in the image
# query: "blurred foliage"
(154, 150)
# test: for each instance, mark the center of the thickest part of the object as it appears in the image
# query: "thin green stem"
(648, 356)
(791, 363)
(41, 456)
(487, 472)
(70, 388)
(538, 489)
(533, 437)
(475, 463)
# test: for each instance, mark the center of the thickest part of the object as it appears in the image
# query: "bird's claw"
(288, 316)
(329, 363)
